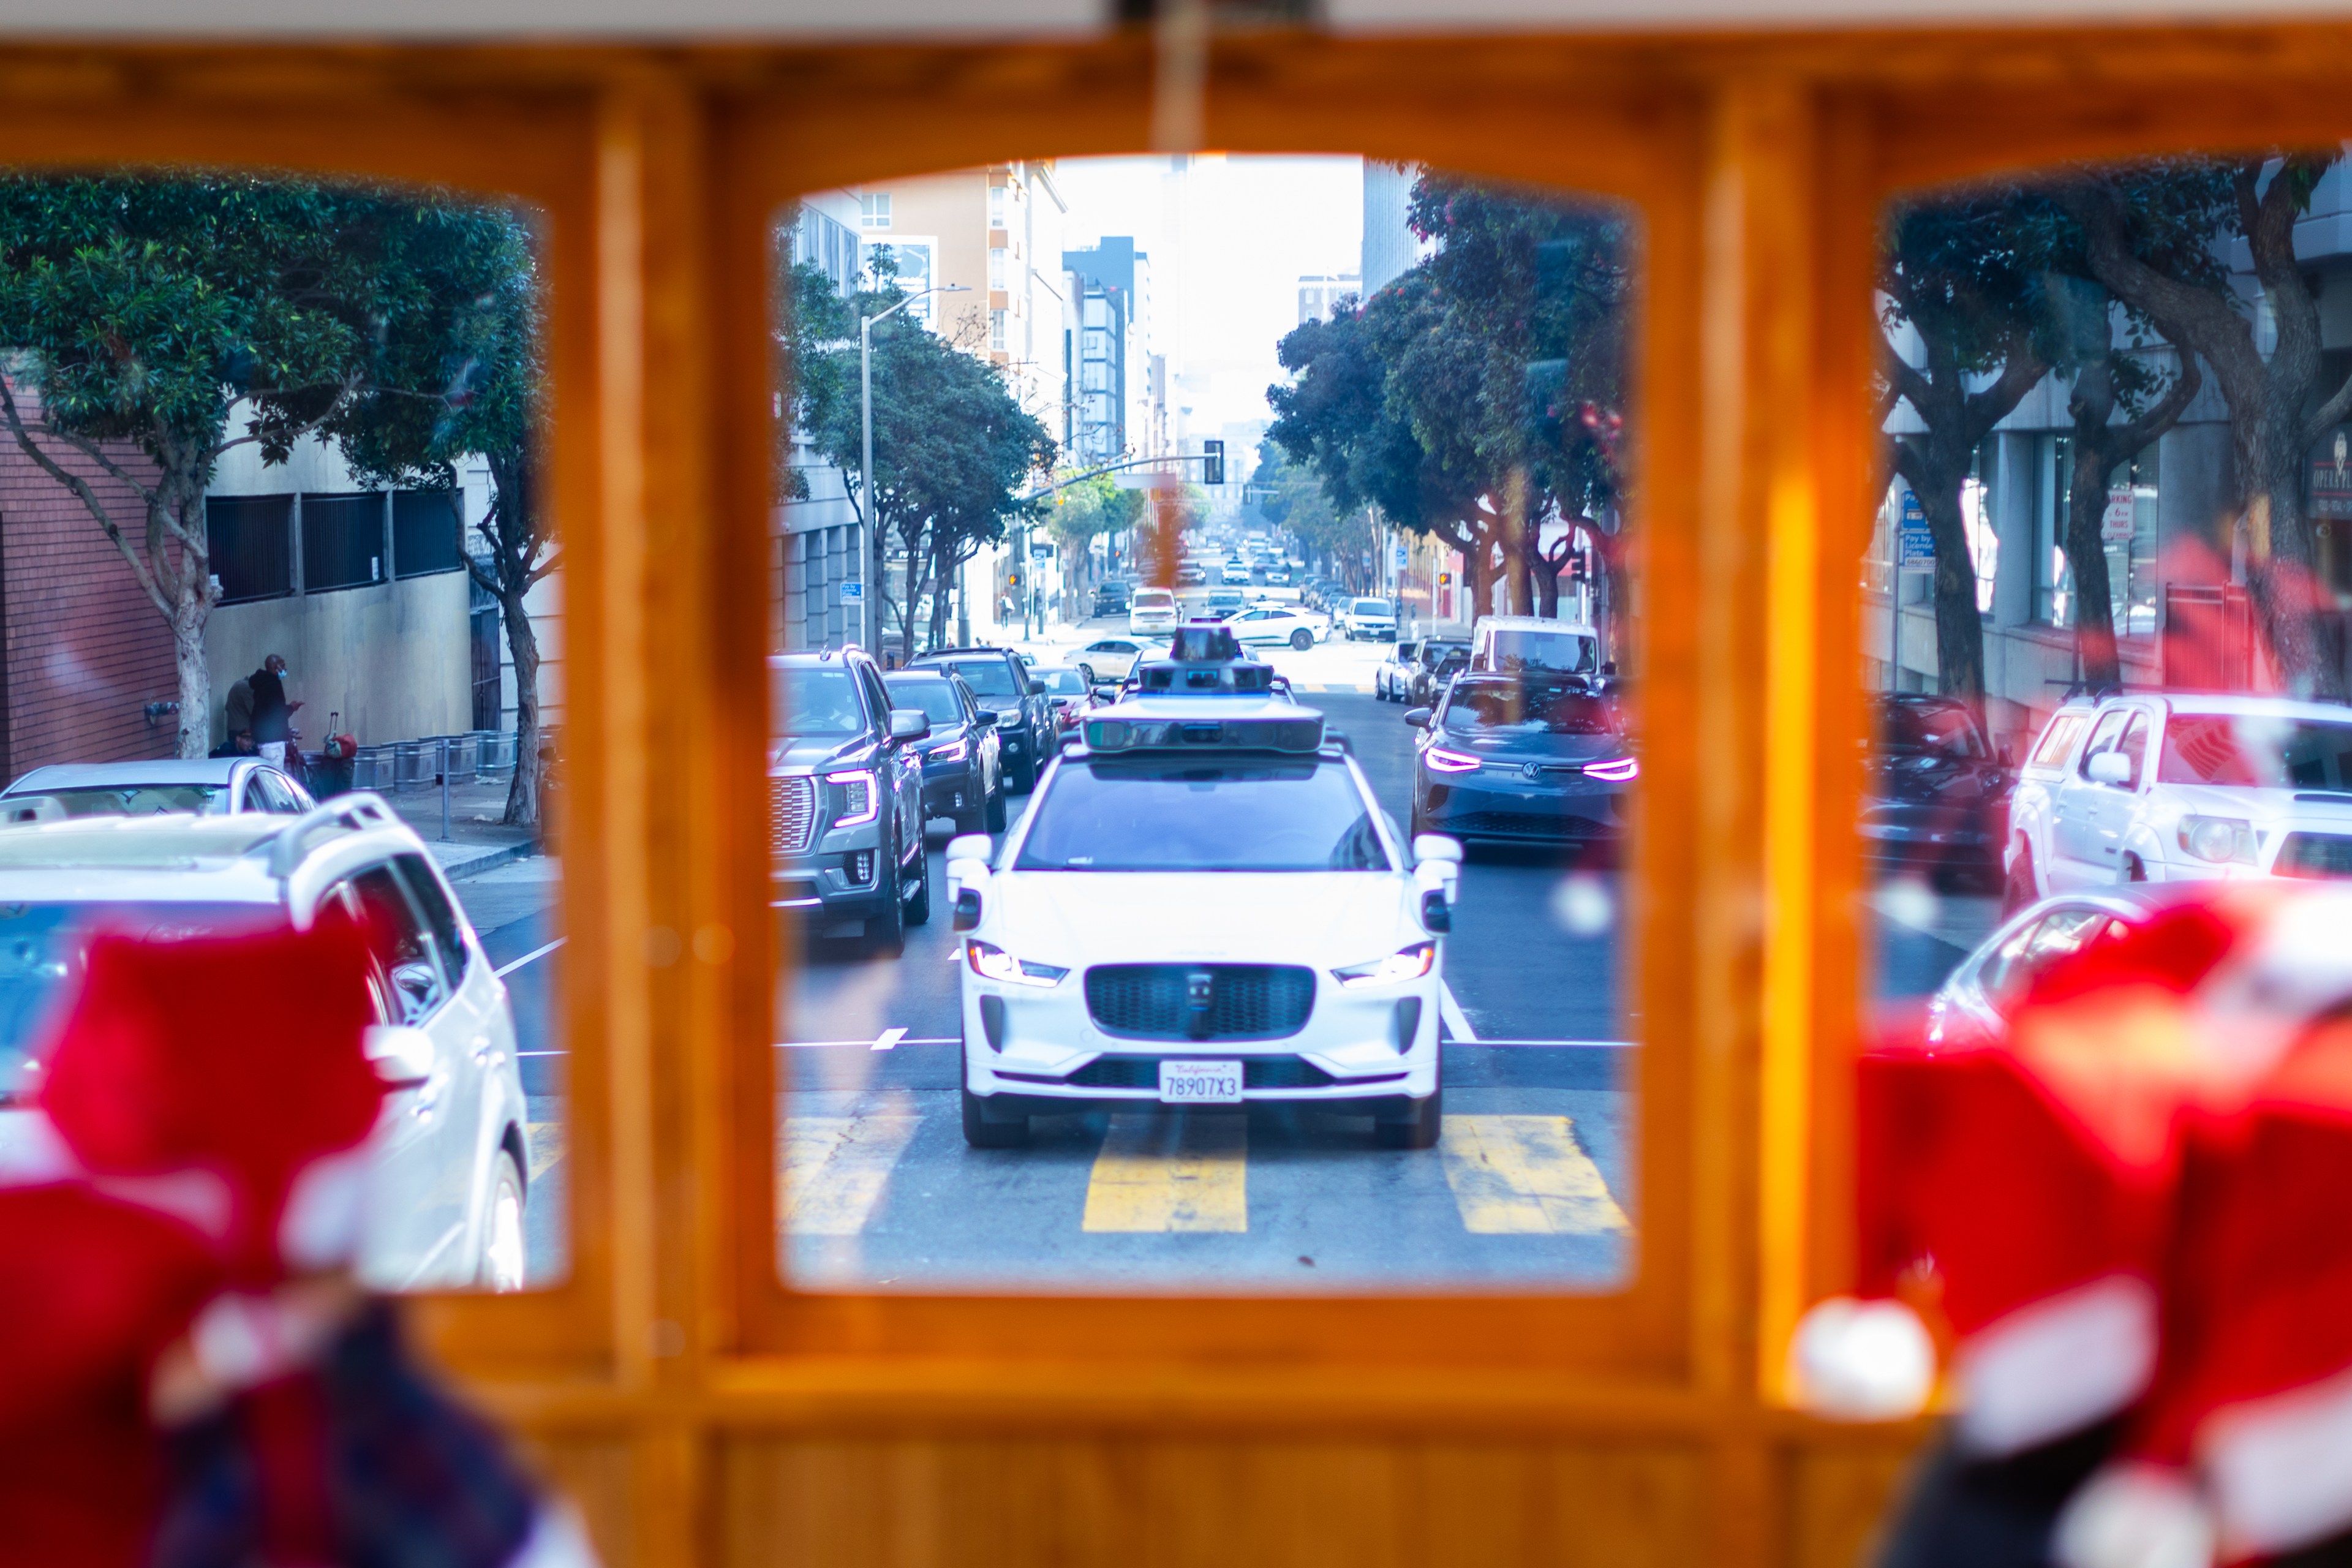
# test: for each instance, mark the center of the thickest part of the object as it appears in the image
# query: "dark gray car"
(1515, 759)
(846, 799)
(1025, 713)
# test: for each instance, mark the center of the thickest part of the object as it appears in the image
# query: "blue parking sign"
(1919, 545)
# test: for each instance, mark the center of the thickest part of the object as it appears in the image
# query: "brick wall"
(86, 651)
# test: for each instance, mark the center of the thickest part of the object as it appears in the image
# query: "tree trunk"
(523, 792)
(196, 680)
(2086, 552)
(1927, 464)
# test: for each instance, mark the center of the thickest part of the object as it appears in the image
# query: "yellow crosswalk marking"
(1173, 1170)
(545, 1140)
(1520, 1175)
(836, 1168)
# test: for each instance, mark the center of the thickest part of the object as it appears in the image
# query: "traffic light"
(1445, 579)
(1212, 462)
(1013, 579)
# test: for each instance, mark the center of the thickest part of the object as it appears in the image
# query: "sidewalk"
(478, 840)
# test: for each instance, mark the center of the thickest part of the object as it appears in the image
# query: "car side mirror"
(970, 847)
(909, 725)
(402, 1054)
(1036, 689)
(1437, 847)
(985, 718)
(967, 910)
(2109, 768)
(1417, 717)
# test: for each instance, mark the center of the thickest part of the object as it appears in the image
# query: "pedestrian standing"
(273, 716)
(240, 711)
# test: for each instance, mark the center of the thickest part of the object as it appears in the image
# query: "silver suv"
(450, 1157)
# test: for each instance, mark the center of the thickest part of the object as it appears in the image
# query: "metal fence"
(419, 765)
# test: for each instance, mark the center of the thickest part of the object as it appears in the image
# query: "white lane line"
(1565, 1045)
(1458, 1023)
(538, 952)
(887, 1039)
(863, 1045)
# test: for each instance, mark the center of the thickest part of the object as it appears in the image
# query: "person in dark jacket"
(273, 716)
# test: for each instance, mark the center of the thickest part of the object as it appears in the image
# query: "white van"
(1510, 643)
(1151, 610)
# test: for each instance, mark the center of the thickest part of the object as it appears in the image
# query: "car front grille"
(1199, 1001)
(791, 813)
(2315, 855)
(1525, 824)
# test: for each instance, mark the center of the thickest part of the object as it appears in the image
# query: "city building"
(1118, 407)
(816, 536)
(1390, 246)
(1320, 293)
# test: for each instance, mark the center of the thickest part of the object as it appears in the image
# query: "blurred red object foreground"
(2128, 1213)
(187, 1374)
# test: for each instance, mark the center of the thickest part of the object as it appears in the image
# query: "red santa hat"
(2036, 1172)
(235, 1062)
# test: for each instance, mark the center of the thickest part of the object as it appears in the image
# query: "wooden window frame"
(1759, 163)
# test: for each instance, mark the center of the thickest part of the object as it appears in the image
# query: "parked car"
(2149, 787)
(1367, 617)
(1000, 679)
(1151, 610)
(450, 1152)
(1268, 625)
(1935, 792)
(1392, 676)
(1982, 993)
(1441, 660)
(1105, 661)
(208, 786)
(1070, 692)
(1515, 758)
(963, 778)
(846, 799)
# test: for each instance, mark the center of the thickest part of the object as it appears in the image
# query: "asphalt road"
(1530, 1186)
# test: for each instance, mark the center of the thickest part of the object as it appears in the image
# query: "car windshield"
(816, 701)
(1570, 651)
(2256, 750)
(986, 677)
(42, 949)
(1374, 607)
(936, 697)
(1062, 682)
(1189, 815)
(1499, 708)
(1911, 730)
(134, 800)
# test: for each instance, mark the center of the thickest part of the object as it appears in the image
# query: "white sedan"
(1203, 906)
(1270, 625)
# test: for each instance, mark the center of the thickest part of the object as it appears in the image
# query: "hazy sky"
(1229, 239)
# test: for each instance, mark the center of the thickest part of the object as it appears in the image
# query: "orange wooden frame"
(1759, 165)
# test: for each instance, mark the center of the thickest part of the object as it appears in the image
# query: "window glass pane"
(2143, 634)
(1186, 1009)
(328, 376)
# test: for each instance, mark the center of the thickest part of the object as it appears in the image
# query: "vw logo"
(1532, 771)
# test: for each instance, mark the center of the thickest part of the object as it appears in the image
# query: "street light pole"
(866, 454)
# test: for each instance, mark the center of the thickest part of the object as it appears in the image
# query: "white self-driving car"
(2180, 787)
(451, 1159)
(1204, 905)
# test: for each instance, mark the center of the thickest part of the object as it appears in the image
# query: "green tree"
(148, 312)
(461, 372)
(1080, 513)
(2134, 218)
(953, 450)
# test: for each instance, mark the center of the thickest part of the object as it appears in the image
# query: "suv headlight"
(993, 962)
(952, 752)
(1405, 963)
(1616, 770)
(2221, 839)
(860, 800)
(1442, 760)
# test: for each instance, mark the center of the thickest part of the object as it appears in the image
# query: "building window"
(996, 330)
(996, 268)
(343, 541)
(427, 532)
(252, 544)
(874, 209)
(2128, 528)
(2054, 578)
(996, 207)
(1978, 527)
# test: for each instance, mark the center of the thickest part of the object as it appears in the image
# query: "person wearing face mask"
(273, 716)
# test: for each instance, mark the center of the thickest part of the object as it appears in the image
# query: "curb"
(504, 855)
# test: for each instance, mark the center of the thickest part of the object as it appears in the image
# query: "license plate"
(1200, 1083)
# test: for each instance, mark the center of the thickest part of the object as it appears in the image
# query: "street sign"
(853, 593)
(1040, 551)
(1400, 556)
(2116, 523)
(1919, 545)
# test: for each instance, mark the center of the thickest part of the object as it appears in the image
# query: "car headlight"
(1405, 963)
(860, 801)
(993, 962)
(953, 752)
(1442, 760)
(1616, 770)
(2221, 839)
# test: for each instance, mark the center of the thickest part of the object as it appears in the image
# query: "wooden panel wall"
(698, 1410)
